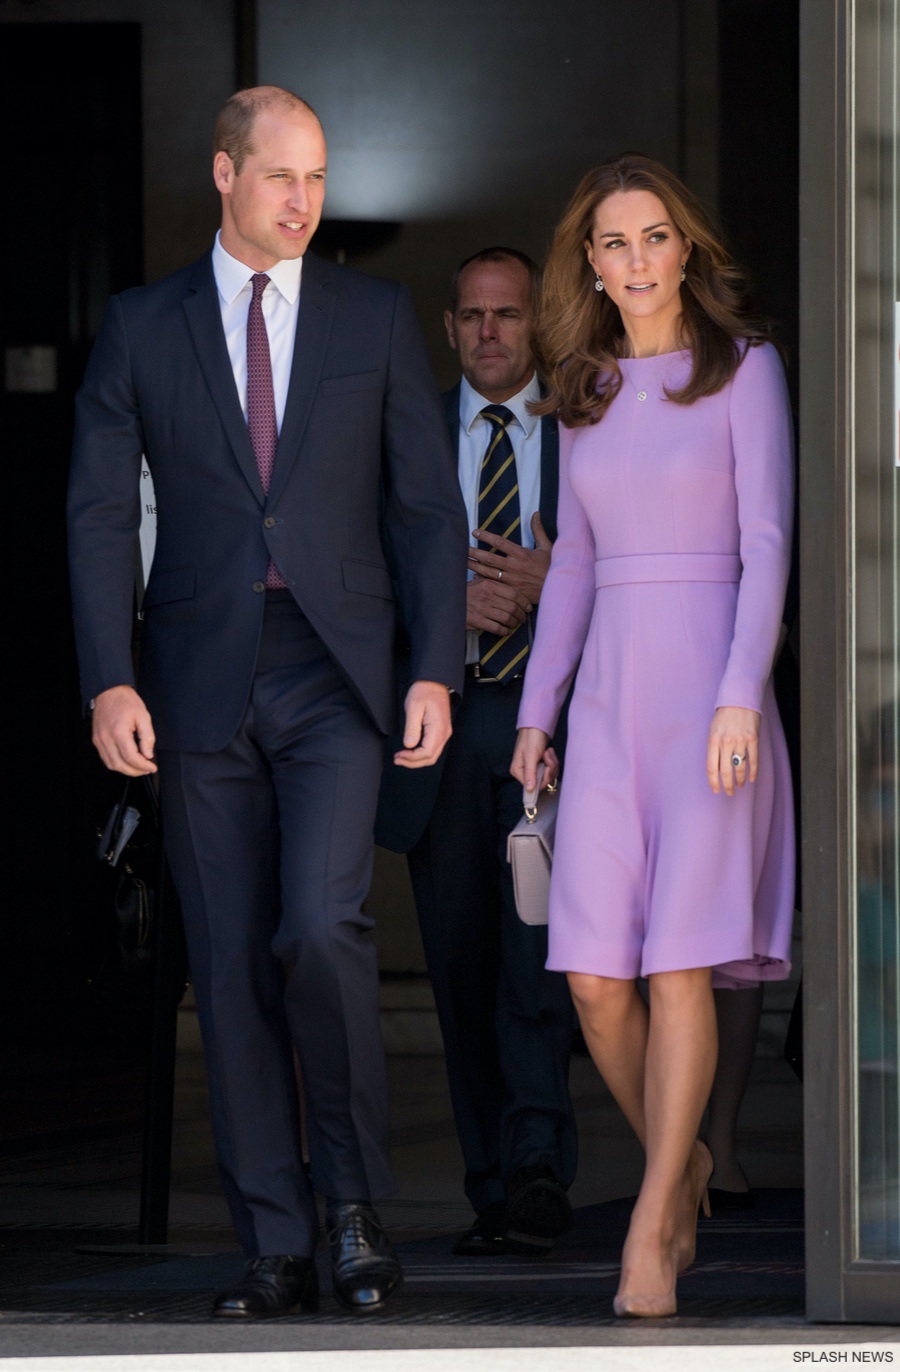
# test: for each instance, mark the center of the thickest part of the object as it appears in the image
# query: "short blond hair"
(237, 117)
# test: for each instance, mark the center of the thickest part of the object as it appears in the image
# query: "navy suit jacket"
(407, 797)
(363, 517)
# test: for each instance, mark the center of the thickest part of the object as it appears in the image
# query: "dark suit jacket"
(407, 797)
(363, 510)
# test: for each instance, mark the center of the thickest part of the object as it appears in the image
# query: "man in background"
(506, 1022)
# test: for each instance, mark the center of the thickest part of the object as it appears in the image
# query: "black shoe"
(271, 1286)
(486, 1237)
(537, 1209)
(364, 1266)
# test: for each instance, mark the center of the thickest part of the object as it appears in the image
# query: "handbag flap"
(540, 830)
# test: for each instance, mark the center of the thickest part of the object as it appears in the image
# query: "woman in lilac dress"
(674, 845)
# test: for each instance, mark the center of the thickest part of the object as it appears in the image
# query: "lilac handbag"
(529, 852)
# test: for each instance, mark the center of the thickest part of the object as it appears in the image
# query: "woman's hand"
(734, 732)
(532, 748)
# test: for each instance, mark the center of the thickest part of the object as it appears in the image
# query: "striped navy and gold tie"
(499, 513)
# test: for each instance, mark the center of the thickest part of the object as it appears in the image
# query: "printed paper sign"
(148, 521)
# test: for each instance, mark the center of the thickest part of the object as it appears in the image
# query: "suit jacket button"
(270, 522)
(259, 586)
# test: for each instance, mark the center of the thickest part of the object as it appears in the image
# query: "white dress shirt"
(474, 436)
(279, 306)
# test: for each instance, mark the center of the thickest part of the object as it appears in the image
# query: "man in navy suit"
(307, 509)
(506, 1022)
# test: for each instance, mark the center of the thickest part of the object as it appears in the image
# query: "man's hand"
(428, 725)
(512, 565)
(123, 732)
(494, 606)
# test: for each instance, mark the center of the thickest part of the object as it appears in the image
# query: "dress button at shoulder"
(642, 395)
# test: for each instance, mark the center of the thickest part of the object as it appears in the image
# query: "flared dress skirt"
(653, 872)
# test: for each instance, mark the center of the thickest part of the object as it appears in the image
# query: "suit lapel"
(314, 317)
(204, 319)
(549, 474)
(451, 405)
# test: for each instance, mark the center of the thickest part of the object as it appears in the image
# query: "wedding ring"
(499, 576)
(737, 760)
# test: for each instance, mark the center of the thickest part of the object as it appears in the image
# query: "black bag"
(129, 847)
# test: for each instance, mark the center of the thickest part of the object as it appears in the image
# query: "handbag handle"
(110, 847)
(530, 798)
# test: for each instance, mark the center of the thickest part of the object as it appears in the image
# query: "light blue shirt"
(474, 436)
(280, 303)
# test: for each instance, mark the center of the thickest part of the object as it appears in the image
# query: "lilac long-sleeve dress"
(667, 581)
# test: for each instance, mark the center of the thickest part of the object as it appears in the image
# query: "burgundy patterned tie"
(261, 401)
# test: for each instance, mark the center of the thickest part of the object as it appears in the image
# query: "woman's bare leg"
(659, 1066)
(680, 1064)
(615, 1023)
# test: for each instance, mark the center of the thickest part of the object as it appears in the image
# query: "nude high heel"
(700, 1171)
(695, 1197)
(645, 1307)
(635, 1305)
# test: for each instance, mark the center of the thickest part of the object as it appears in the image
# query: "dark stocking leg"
(737, 1016)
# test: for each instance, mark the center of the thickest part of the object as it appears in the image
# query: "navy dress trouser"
(506, 1022)
(270, 846)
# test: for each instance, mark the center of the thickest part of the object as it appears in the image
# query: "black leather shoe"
(537, 1209)
(364, 1266)
(486, 1237)
(271, 1286)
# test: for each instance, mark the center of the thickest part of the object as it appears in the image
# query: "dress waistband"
(620, 571)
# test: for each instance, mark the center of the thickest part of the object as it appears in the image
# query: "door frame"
(839, 1287)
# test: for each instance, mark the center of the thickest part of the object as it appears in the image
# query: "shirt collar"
(471, 404)
(232, 276)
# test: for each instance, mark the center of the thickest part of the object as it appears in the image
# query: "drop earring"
(598, 284)
(683, 271)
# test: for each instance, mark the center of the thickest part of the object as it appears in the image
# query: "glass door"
(875, 614)
(850, 613)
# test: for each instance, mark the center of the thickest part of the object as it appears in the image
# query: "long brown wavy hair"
(580, 331)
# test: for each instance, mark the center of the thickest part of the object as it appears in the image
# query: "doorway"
(81, 86)
(70, 235)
